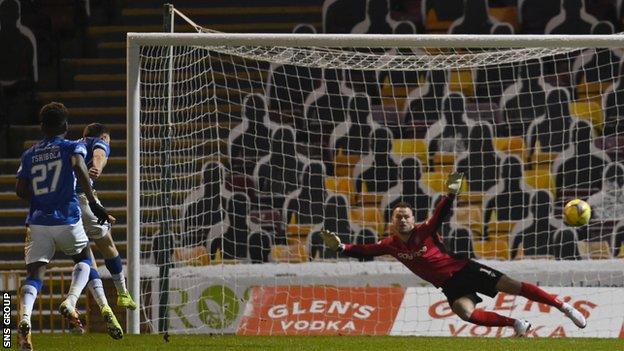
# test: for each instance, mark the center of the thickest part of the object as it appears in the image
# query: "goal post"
(192, 99)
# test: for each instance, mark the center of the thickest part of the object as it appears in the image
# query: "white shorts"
(94, 230)
(42, 241)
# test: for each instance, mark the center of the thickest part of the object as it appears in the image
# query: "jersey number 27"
(40, 175)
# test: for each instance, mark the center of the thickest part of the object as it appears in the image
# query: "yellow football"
(577, 212)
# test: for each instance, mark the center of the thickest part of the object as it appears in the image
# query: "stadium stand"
(572, 19)
(479, 162)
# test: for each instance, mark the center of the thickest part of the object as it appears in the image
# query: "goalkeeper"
(420, 248)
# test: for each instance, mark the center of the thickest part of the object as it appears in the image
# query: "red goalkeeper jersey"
(424, 253)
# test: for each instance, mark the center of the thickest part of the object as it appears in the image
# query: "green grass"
(97, 342)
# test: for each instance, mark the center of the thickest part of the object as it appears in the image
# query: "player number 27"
(40, 174)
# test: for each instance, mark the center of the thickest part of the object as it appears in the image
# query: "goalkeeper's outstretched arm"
(332, 241)
(443, 208)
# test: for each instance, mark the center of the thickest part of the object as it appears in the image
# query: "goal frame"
(136, 40)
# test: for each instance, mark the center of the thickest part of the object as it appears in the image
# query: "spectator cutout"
(479, 163)
(582, 164)
(572, 19)
(407, 190)
(305, 205)
(249, 141)
(379, 170)
(509, 199)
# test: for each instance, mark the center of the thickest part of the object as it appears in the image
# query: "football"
(577, 212)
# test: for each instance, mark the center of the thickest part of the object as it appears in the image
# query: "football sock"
(29, 292)
(534, 293)
(97, 288)
(490, 319)
(80, 277)
(115, 268)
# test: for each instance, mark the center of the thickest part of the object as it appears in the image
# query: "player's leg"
(101, 235)
(97, 291)
(535, 293)
(464, 308)
(39, 249)
(112, 260)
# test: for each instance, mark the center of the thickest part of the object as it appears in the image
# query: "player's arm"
(100, 157)
(22, 189)
(332, 241)
(22, 185)
(82, 176)
(442, 210)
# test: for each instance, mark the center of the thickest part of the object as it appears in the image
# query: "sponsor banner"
(203, 308)
(425, 312)
(320, 310)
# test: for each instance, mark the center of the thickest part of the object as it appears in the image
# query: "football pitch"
(97, 342)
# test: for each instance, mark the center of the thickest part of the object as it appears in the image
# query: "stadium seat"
(411, 147)
(507, 14)
(471, 198)
(542, 160)
(368, 217)
(591, 89)
(511, 145)
(367, 198)
(491, 249)
(461, 81)
(297, 230)
(294, 253)
(343, 164)
(191, 256)
(470, 217)
(500, 230)
(435, 25)
(594, 249)
(589, 111)
(436, 181)
(443, 162)
(540, 179)
(341, 185)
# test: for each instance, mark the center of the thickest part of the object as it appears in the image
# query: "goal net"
(243, 147)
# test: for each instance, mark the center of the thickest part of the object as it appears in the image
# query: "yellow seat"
(294, 253)
(499, 230)
(471, 198)
(589, 111)
(542, 160)
(461, 81)
(369, 217)
(433, 25)
(436, 181)
(370, 198)
(298, 229)
(508, 14)
(341, 185)
(492, 249)
(594, 249)
(470, 217)
(410, 148)
(192, 256)
(511, 145)
(540, 179)
(343, 164)
(588, 90)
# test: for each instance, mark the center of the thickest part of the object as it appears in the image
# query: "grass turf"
(97, 342)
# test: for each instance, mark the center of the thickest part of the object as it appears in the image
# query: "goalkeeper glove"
(331, 240)
(100, 212)
(454, 183)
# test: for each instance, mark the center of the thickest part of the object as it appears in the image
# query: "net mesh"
(248, 152)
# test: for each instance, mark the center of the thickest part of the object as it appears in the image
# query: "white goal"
(242, 147)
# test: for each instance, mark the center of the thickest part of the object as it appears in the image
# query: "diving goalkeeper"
(420, 248)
